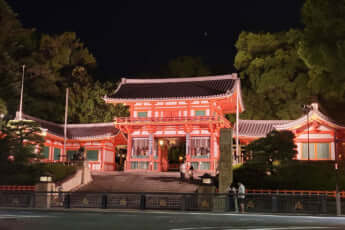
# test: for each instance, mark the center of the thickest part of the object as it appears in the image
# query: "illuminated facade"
(163, 112)
(324, 136)
(101, 142)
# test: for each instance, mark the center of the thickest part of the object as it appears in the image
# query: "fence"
(254, 202)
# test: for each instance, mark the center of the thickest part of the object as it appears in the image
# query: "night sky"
(139, 38)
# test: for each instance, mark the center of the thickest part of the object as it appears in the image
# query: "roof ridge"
(41, 120)
(174, 80)
(89, 124)
(265, 120)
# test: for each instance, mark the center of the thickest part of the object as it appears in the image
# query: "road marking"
(253, 228)
(8, 216)
(247, 215)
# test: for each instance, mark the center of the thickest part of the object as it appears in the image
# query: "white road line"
(248, 215)
(254, 228)
(21, 216)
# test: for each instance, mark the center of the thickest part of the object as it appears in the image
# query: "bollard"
(323, 203)
(142, 201)
(104, 201)
(67, 201)
(274, 204)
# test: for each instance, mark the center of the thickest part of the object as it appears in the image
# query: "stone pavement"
(139, 182)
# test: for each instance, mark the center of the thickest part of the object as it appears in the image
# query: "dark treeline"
(279, 71)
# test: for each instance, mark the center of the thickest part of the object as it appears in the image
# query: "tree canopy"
(276, 147)
(187, 66)
(282, 70)
(53, 63)
(274, 78)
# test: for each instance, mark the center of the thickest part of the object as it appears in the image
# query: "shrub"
(294, 175)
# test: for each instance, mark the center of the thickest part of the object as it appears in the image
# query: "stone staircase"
(139, 182)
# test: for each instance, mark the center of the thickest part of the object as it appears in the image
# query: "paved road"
(126, 220)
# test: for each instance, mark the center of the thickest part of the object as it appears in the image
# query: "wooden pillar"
(212, 166)
(129, 151)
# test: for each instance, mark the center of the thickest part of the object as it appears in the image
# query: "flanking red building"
(101, 141)
(325, 137)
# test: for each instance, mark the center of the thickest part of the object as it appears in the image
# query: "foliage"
(187, 66)
(276, 148)
(59, 171)
(53, 63)
(322, 48)
(30, 174)
(20, 140)
(3, 108)
(294, 175)
(274, 78)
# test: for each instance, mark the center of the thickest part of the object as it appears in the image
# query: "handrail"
(170, 119)
(295, 192)
(17, 188)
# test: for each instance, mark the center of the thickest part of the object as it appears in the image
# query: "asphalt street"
(126, 220)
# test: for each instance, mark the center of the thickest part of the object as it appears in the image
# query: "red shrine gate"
(164, 112)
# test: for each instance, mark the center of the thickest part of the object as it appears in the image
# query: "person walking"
(182, 171)
(241, 196)
(232, 198)
(191, 173)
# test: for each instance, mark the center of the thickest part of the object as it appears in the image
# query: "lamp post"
(306, 109)
(336, 168)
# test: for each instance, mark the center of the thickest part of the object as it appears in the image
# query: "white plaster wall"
(109, 156)
(149, 113)
(137, 132)
(323, 128)
(135, 114)
(332, 151)
(215, 148)
(315, 136)
(181, 132)
(192, 112)
(185, 113)
(207, 112)
(205, 132)
(169, 132)
(171, 103)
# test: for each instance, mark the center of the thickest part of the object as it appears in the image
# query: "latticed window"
(92, 155)
(200, 113)
(45, 152)
(317, 151)
(142, 114)
(57, 153)
(200, 147)
(70, 154)
(140, 147)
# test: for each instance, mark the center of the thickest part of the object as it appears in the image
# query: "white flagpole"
(65, 126)
(237, 119)
(21, 96)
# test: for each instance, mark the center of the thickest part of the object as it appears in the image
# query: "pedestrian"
(241, 196)
(231, 189)
(182, 171)
(191, 172)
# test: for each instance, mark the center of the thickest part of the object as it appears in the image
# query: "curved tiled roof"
(77, 131)
(257, 128)
(175, 87)
(304, 119)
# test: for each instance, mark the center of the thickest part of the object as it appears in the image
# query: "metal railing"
(254, 202)
(135, 120)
